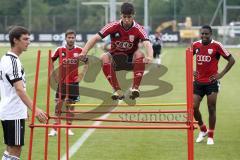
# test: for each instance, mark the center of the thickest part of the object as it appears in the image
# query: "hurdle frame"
(189, 124)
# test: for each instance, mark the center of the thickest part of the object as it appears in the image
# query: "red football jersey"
(68, 58)
(123, 41)
(207, 57)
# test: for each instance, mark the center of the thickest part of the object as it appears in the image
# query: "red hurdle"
(176, 125)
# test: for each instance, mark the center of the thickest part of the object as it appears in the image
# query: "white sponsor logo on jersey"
(70, 61)
(123, 45)
(203, 58)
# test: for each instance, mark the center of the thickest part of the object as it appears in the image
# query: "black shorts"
(13, 132)
(205, 89)
(73, 92)
(156, 51)
(122, 62)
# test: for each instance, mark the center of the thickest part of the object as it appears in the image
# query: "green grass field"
(141, 144)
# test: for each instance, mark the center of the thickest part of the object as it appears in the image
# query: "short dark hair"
(207, 27)
(127, 8)
(16, 32)
(70, 31)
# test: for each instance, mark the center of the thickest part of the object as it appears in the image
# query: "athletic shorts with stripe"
(13, 131)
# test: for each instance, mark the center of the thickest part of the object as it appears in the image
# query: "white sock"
(6, 152)
(159, 60)
(5, 155)
(10, 157)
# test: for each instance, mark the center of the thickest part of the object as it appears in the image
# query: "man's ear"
(15, 40)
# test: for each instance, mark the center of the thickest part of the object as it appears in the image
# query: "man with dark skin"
(206, 79)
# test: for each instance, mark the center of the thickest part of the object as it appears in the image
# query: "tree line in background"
(59, 15)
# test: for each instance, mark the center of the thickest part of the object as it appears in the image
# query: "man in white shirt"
(157, 43)
(14, 99)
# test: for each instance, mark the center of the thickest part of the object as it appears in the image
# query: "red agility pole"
(34, 105)
(47, 103)
(66, 99)
(189, 77)
(59, 101)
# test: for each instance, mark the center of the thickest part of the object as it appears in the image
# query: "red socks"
(138, 70)
(110, 75)
(55, 123)
(203, 128)
(210, 133)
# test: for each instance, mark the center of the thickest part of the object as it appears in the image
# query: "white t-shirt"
(11, 70)
(156, 40)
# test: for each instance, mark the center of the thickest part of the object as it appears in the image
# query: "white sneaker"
(210, 141)
(134, 93)
(70, 132)
(201, 136)
(52, 133)
(118, 95)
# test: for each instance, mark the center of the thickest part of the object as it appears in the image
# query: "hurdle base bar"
(109, 127)
(118, 120)
(126, 105)
(122, 112)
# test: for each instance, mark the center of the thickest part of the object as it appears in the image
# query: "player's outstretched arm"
(83, 72)
(41, 116)
(90, 43)
(149, 49)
